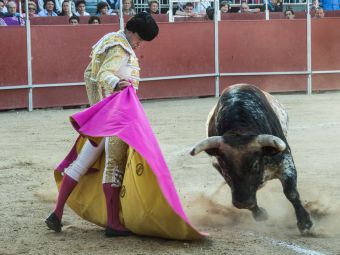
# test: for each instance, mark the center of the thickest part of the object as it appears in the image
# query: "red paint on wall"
(57, 96)
(177, 88)
(12, 99)
(13, 57)
(60, 54)
(262, 46)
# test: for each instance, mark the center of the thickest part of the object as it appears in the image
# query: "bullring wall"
(60, 55)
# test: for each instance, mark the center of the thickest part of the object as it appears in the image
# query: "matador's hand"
(122, 84)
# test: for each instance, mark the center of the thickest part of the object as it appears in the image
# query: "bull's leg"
(288, 181)
(259, 213)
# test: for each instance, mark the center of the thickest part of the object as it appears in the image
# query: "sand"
(32, 144)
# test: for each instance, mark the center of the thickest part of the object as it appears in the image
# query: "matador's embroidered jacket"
(112, 59)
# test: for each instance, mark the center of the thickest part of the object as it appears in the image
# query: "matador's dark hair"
(144, 25)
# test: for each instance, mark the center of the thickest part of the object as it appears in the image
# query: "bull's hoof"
(305, 227)
(259, 214)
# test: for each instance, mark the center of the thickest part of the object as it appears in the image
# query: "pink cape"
(122, 115)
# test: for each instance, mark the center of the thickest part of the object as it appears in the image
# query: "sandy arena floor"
(33, 143)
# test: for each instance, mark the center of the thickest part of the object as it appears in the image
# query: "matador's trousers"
(115, 148)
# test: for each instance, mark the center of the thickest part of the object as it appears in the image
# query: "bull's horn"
(208, 143)
(271, 141)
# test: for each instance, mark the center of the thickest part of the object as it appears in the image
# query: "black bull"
(248, 144)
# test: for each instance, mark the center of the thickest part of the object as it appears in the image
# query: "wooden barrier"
(13, 67)
(60, 54)
(264, 50)
(243, 16)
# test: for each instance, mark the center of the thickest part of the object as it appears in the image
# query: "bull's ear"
(213, 152)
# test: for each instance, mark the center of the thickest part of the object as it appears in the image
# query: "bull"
(247, 139)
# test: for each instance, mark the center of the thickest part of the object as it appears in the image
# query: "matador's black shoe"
(109, 232)
(53, 223)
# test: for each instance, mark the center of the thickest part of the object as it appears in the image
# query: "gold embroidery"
(115, 161)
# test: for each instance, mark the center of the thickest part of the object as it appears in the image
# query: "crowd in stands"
(12, 12)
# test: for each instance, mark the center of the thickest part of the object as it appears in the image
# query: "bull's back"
(244, 106)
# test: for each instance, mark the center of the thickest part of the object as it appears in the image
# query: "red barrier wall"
(325, 53)
(63, 20)
(267, 46)
(177, 88)
(60, 54)
(243, 16)
(13, 57)
(57, 96)
(12, 99)
(13, 67)
(180, 48)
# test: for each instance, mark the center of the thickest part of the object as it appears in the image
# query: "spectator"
(66, 9)
(246, 9)
(128, 7)
(289, 14)
(210, 13)
(319, 13)
(81, 8)
(73, 20)
(275, 6)
(316, 4)
(102, 9)
(56, 3)
(11, 18)
(199, 7)
(3, 9)
(94, 20)
(224, 7)
(32, 9)
(12, 9)
(48, 9)
(153, 7)
(188, 11)
(113, 4)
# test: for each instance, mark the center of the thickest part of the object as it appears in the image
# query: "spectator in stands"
(81, 8)
(316, 4)
(102, 9)
(128, 7)
(56, 3)
(12, 9)
(246, 9)
(275, 6)
(48, 9)
(188, 11)
(153, 7)
(32, 9)
(2, 7)
(224, 7)
(73, 20)
(94, 20)
(113, 4)
(289, 14)
(319, 13)
(66, 9)
(92, 5)
(210, 13)
(11, 18)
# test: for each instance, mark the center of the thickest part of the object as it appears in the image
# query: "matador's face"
(134, 39)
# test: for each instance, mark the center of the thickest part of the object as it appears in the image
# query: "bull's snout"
(249, 204)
